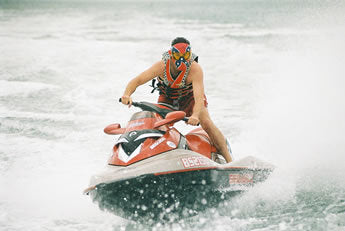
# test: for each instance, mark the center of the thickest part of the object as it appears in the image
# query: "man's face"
(181, 53)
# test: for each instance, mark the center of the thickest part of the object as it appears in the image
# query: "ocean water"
(274, 77)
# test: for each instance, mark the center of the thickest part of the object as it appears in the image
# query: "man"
(180, 84)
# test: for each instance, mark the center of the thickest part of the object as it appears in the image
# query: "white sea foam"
(8, 88)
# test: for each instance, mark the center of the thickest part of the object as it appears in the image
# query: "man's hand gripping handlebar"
(144, 106)
(126, 100)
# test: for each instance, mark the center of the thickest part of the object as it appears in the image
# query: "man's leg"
(215, 134)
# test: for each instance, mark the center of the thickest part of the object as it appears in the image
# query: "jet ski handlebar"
(146, 106)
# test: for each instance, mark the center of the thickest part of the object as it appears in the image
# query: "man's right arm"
(155, 70)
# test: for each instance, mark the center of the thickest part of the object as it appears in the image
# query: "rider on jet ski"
(181, 87)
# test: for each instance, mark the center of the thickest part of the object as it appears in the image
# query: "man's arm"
(154, 71)
(198, 92)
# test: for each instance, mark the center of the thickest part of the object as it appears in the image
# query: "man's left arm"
(198, 92)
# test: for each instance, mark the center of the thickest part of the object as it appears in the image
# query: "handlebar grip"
(185, 119)
(136, 104)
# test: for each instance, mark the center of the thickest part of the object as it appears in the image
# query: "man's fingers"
(130, 102)
(193, 121)
(126, 100)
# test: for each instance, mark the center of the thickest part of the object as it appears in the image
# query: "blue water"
(274, 79)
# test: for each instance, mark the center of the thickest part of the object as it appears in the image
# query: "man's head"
(180, 52)
(179, 40)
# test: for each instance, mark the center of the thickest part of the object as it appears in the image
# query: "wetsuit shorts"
(185, 104)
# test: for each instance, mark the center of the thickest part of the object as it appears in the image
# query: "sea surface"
(274, 75)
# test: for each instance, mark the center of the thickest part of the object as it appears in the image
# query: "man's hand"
(127, 100)
(193, 120)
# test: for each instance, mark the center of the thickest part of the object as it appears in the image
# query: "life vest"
(174, 88)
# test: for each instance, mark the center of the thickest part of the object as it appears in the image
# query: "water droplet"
(204, 201)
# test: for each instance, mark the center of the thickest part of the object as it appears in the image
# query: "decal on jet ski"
(238, 178)
(193, 161)
(134, 133)
(159, 141)
(171, 144)
(136, 124)
(125, 157)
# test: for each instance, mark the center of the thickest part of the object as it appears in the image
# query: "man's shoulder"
(158, 67)
(159, 64)
(195, 67)
(195, 72)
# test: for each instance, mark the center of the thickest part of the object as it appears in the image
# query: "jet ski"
(155, 173)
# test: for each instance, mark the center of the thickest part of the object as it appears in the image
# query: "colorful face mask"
(181, 53)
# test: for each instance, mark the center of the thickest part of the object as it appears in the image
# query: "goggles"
(181, 50)
(178, 55)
